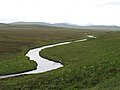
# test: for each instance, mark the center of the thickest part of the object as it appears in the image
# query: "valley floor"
(91, 65)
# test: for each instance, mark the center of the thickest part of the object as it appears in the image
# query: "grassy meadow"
(16, 40)
(89, 65)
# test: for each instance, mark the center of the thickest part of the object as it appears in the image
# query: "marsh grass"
(16, 40)
(89, 64)
(86, 64)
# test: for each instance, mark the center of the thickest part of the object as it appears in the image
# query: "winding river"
(43, 64)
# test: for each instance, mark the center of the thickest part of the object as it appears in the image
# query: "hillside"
(68, 25)
(16, 40)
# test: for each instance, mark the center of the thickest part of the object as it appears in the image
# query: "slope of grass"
(90, 64)
(16, 40)
(87, 65)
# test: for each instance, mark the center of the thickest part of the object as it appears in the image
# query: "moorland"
(90, 65)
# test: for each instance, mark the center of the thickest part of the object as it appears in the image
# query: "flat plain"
(91, 65)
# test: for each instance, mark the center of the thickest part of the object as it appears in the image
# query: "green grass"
(16, 40)
(89, 65)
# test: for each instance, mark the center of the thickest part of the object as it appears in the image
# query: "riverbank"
(43, 64)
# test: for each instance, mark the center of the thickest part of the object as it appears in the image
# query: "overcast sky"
(81, 12)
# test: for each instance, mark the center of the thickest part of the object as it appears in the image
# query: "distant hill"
(3, 24)
(66, 25)
(101, 27)
(94, 27)
(30, 23)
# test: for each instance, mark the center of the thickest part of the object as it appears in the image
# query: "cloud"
(114, 3)
(111, 3)
(108, 3)
(55, 11)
